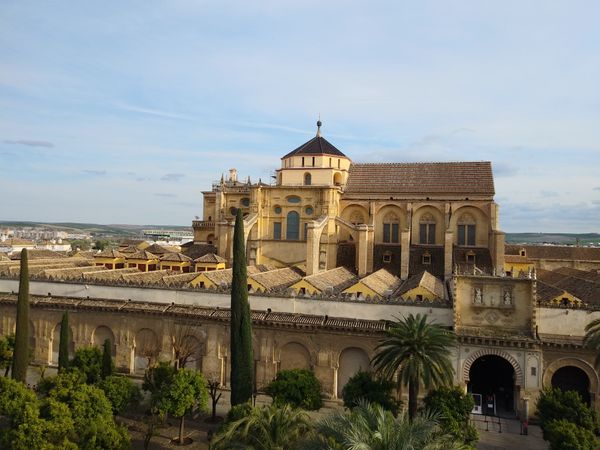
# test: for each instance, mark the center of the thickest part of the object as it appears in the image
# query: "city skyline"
(124, 114)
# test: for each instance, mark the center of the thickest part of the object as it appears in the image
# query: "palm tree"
(592, 338)
(266, 428)
(419, 352)
(370, 427)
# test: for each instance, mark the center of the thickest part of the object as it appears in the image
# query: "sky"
(124, 112)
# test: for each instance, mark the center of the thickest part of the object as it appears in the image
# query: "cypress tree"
(242, 361)
(63, 346)
(21, 352)
(107, 367)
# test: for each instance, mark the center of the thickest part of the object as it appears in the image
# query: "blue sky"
(123, 112)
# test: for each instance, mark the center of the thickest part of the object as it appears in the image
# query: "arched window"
(307, 179)
(427, 229)
(293, 226)
(466, 230)
(391, 228)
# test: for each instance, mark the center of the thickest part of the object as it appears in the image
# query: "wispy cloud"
(95, 172)
(165, 195)
(30, 143)
(172, 177)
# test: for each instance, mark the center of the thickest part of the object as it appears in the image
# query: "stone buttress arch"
(495, 352)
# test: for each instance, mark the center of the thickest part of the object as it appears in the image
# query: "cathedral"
(323, 211)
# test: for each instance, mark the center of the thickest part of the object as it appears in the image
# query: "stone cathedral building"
(335, 250)
(323, 211)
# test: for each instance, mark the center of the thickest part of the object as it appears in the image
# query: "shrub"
(454, 407)
(565, 435)
(555, 404)
(297, 387)
(121, 392)
(88, 360)
(366, 386)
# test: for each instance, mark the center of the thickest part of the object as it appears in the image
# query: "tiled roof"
(210, 258)
(129, 249)
(336, 279)
(160, 249)
(316, 146)
(16, 242)
(142, 254)
(154, 277)
(555, 252)
(550, 276)
(175, 257)
(515, 259)
(195, 250)
(583, 274)
(39, 254)
(225, 276)
(110, 254)
(464, 178)
(546, 292)
(180, 279)
(426, 280)
(115, 274)
(278, 279)
(381, 281)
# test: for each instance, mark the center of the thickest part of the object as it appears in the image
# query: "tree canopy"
(420, 352)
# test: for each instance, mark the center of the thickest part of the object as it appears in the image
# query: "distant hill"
(94, 228)
(553, 238)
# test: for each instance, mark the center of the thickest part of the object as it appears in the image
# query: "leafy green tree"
(23, 427)
(101, 244)
(21, 352)
(297, 387)
(565, 435)
(420, 352)
(63, 346)
(107, 361)
(366, 386)
(454, 407)
(156, 379)
(121, 392)
(7, 347)
(91, 412)
(242, 360)
(370, 427)
(185, 392)
(555, 404)
(267, 428)
(88, 360)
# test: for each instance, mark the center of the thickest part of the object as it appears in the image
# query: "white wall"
(355, 310)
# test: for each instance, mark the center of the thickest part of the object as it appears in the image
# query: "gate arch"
(496, 352)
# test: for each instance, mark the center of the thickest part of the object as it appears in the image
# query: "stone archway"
(495, 378)
(555, 366)
(492, 351)
(351, 361)
(294, 355)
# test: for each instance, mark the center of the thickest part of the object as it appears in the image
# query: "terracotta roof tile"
(555, 252)
(336, 279)
(175, 257)
(210, 258)
(464, 178)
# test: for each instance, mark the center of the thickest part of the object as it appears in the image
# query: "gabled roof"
(278, 279)
(381, 282)
(39, 254)
(336, 279)
(464, 178)
(423, 279)
(210, 258)
(316, 146)
(197, 250)
(109, 254)
(175, 257)
(160, 249)
(142, 254)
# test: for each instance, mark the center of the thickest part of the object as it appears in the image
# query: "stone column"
(312, 249)
(448, 253)
(404, 253)
(362, 249)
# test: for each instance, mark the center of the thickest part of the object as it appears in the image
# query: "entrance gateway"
(493, 382)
